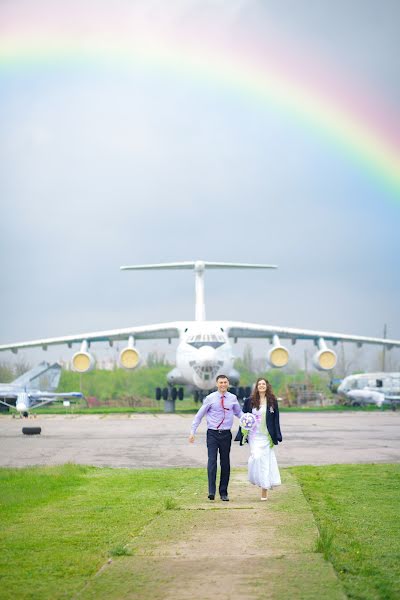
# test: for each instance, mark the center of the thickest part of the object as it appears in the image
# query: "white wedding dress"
(262, 465)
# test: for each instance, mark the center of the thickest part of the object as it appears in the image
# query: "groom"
(219, 406)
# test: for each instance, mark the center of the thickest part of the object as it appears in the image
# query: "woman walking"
(262, 466)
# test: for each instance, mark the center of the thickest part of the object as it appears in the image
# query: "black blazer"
(273, 425)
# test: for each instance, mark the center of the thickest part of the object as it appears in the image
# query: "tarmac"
(161, 440)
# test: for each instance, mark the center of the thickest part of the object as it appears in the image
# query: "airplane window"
(208, 372)
(203, 343)
(205, 339)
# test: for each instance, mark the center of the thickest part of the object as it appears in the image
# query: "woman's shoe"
(263, 499)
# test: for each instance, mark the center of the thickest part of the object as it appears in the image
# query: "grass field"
(59, 525)
(357, 510)
(186, 406)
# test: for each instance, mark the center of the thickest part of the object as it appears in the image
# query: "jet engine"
(325, 359)
(83, 361)
(129, 357)
(278, 356)
(175, 377)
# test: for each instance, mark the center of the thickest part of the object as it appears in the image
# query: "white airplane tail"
(199, 267)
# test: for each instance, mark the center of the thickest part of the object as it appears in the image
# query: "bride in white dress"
(262, 466)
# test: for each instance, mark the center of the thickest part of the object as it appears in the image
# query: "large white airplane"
(204, 347)
(25, 393)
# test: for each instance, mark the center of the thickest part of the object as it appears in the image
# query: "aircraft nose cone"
(22, 402)
(206, 355)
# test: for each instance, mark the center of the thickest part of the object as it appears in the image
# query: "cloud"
(116, 164)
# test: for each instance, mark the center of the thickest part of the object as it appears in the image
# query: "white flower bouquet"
(247, 422)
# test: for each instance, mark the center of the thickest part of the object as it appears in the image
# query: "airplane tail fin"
(42, 377)
(199, 267)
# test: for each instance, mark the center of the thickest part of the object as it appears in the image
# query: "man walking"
(219, 407)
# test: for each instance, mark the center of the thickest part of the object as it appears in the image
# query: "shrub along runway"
(158, 440)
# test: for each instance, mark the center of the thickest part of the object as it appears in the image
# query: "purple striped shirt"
(216, 415)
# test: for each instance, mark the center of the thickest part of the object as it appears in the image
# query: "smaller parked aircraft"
(371, 388)
(24, 393)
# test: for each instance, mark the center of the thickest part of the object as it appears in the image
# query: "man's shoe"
(225, 498)
(211, 496)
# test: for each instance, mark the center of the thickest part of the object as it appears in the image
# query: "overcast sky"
(106, 163)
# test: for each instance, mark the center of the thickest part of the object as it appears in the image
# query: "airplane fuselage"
(203, 352)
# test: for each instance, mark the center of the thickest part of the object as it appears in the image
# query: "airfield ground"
(153, 441)
(94, 533)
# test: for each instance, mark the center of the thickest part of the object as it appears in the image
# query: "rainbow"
(362, 135)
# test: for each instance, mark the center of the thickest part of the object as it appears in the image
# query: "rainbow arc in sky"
(347, 126)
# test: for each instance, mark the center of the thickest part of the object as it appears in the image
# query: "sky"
(244, 131)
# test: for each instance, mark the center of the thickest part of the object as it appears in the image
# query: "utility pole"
(384, 348)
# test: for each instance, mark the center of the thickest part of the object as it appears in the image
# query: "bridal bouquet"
(247, 422)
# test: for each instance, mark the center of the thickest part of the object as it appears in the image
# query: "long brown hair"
(255, 396)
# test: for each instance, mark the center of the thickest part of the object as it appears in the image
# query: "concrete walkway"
(245, 549)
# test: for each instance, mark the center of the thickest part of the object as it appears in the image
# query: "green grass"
(59, 525)
(357, 510)
(186, 406)
(335, 408)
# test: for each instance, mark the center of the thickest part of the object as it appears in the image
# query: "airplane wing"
(34, 398)
(48, 397)
(5, 403)
(53, 395)
(147, 332)
(238, 330)
(8, 395)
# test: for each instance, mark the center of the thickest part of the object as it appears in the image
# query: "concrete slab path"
(244, 549)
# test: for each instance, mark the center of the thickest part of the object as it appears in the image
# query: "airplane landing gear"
(199, 395)
(242, 392)
(169, 395)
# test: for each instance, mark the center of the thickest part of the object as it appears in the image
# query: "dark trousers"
(218, 440)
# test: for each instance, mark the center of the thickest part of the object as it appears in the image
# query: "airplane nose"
(22, 402)
(206, 355)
